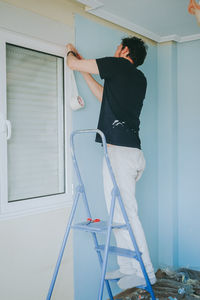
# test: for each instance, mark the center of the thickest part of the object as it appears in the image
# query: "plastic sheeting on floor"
(171, 285)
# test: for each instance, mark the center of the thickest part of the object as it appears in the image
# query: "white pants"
(128, 165)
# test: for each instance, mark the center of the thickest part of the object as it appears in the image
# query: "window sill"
(35, 206)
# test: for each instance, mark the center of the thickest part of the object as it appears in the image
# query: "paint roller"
(76, 101)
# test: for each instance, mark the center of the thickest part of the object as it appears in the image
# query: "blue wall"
(189, 154)
(167, 155)
(178, 154)
(94, 40)
(168, 193)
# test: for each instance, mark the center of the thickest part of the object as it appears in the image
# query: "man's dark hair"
(137, 49)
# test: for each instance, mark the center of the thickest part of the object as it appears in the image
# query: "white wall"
(30, 244)
(28, 253)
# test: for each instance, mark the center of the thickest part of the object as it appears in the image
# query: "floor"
(171, 285)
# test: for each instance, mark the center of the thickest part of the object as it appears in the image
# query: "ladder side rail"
(75, 163)
(105, 154)
(74, 160)
(96, 244)
(115, 187)
(135, 245)
(57, 267)
(105, 259)
(94, 236)
(77, 171)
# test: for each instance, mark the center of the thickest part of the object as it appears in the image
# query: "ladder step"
(97, 227)
(118, 251)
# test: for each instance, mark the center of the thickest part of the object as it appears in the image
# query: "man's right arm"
(95, 87)
(76, 62)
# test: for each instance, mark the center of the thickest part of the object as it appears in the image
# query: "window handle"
(9, 129)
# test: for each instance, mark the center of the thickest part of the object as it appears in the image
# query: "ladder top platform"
(97, 227)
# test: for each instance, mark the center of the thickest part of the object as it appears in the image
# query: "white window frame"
(45, 203)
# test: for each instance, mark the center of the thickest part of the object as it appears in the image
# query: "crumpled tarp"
(171, 285)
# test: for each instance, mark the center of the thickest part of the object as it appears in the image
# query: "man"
(122, 100)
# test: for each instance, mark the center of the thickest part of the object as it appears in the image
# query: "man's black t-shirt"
(123, 95)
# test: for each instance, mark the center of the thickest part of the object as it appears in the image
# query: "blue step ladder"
(95, 227)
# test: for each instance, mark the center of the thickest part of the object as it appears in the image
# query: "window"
(33, 140)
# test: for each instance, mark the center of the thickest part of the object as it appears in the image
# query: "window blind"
(35, 109)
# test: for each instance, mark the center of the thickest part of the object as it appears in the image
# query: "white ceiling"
(159, 20)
